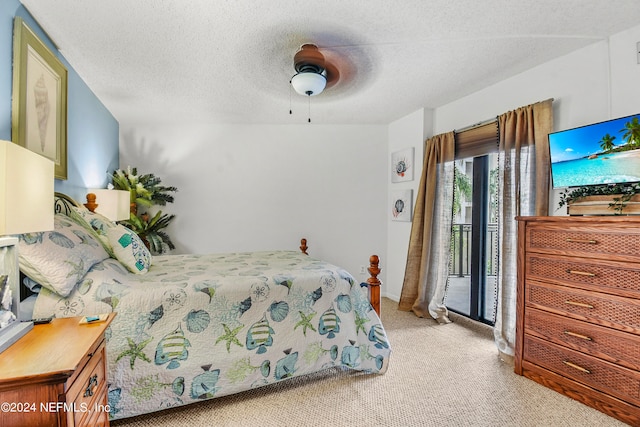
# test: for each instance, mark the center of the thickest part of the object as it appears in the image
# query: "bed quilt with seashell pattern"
(202, 326)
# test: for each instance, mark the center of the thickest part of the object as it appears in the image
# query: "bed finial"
(91, 202)
(303, 246)
(374, 283)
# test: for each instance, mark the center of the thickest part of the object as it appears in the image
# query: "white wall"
(596, 83)
(264, 187)
(406, 132)
(625, 73)
(245, 188)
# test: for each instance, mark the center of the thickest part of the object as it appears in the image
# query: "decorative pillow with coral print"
(59, 259)
(129, 249)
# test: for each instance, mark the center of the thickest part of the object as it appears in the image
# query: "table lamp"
(26, 206)
(113, 204)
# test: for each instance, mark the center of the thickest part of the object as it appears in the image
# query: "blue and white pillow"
(60, 258)
(95, 223)
(129, 249)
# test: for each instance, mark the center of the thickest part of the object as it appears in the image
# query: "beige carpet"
(439, 375)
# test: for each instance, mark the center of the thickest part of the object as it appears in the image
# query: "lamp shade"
(26, 190)
(309, 83)
(114, 204)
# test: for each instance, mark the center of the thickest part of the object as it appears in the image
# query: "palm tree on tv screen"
(606, 143)
(632, 132)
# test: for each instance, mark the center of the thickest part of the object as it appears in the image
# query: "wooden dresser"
(578, 309)
(56, 376)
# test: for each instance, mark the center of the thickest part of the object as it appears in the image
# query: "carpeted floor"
(439, 375)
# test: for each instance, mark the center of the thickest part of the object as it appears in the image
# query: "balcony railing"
(460, 264)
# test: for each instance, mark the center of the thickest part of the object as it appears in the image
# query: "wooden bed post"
(91, 202)
(373, 283)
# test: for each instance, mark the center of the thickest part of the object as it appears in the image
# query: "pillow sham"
(95, 223)
(33, 286)
(60, 258)
(129, 249)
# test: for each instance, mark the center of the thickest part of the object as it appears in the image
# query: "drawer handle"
(579, 304)
(92, 386)
(574, 334)
(591, 242)
(574, 366)
(581, 273)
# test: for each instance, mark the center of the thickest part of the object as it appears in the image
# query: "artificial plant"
(146, 191)
(621, 193)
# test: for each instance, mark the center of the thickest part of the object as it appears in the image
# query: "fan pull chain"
(290, 112)
(309, 113)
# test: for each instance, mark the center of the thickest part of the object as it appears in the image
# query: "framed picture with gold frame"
(39, 105)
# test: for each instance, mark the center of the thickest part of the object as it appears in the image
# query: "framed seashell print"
(402, 165)
(401, 205)
(39, 105)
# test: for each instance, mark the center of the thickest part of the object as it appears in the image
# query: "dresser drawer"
(594, 242)
(87, 391)
(603, 309)
(603, 376)
(622, 278)
(608, 344)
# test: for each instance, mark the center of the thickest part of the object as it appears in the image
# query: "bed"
(193, 327)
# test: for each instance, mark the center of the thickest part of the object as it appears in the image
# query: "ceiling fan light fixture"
(309, 83)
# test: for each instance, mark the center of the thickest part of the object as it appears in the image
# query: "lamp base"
(13, 333)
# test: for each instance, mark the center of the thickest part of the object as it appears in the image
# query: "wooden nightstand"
(56, 376)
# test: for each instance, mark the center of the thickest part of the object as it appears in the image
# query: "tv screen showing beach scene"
(601, 153)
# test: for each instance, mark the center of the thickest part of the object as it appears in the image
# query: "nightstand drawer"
(602, 243)
(621, 278)
(84, 391)
(61, 365)
(614, 346)
(607, 377)
(603, 309)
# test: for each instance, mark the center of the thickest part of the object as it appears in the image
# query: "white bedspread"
(202, 326)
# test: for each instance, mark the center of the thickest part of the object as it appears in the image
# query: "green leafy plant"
(151, 231)
(462, 187)
(147, 190)
(623, 192)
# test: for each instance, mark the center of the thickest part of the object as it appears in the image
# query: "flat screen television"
(597, 154)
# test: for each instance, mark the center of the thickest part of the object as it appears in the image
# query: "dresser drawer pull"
(92, 386)
(574, 334)
(574, 366)
(581, 273)
(579, 304)
(591, 242)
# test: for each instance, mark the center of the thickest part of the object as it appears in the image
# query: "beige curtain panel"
(524, 190)
(427, 261)
(523, 163)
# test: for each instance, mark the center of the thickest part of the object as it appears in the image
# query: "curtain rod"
(486, 122)
(476, 125)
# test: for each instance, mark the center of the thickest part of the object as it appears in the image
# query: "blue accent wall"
(92, 131)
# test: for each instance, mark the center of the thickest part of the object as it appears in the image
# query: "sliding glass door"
(472, 285)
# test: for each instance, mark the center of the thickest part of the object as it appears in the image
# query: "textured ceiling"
(225, 61)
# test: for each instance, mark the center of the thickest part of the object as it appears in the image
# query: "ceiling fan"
(314, 72)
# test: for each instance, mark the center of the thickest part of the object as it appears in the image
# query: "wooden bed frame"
(63, 201)
(373, 283)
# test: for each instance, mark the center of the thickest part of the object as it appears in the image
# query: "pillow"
(95, 223)
(33, 286)
(129, 249)
(60, 258)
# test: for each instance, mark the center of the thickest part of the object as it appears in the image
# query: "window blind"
(477, 140)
